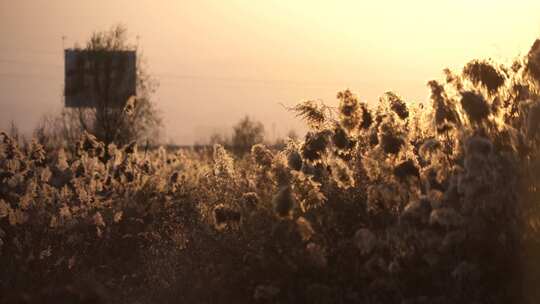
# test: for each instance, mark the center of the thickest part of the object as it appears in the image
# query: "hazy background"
(217, 61)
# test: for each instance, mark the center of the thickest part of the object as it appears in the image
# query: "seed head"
(312, 112)
(390, 142)
(131, 148)
(294, 160)
(341, 140)
(342, 174)
(429, 146)
(444, 113)
(174, 178)
(405, 169)
(484, 74)
(37, 153)
(348, 109)
(397, 105)
(533, 61)
(475, 106)
(315, 145)
(90, 145)
(367, 118)
(223, 162)
(250, 199)
(262, 156)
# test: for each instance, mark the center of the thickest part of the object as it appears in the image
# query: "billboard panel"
(99, 78)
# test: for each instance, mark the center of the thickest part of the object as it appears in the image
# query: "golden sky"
(217, 61)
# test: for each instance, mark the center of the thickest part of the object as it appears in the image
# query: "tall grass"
(433, 203)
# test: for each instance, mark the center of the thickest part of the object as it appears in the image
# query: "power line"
(173, 76)
(31, 75)
(11, 61)
(55, 77)
(29, 51)
(247, 80)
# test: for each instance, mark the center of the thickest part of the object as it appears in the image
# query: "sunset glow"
(242, 57)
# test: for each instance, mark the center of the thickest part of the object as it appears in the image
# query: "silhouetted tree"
(246, 134)
(138, 120)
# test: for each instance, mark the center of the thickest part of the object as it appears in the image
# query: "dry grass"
(437, 204)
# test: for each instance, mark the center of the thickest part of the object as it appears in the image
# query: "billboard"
(99, 78)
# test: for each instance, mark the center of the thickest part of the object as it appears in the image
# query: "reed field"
(384, 202)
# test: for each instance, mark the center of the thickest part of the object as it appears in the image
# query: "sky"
(217, 61)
